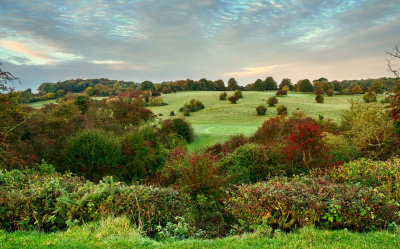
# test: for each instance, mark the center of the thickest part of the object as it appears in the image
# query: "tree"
(270, 84)
(305, 86)
(377, 86)
(219, 85)
(356, 90)
(391, 67)
(259, 85)
(232, 84)
(337, 86)
(285, 82)
(147, 85)
(89, 91)
(318, 87)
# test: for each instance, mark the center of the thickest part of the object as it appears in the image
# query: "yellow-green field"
(220, 119)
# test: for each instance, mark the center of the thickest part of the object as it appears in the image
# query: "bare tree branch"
(391, 67)
(5, 78)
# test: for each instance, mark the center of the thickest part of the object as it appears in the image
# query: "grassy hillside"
(220, 119)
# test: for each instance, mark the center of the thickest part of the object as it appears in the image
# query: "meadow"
(221, 119)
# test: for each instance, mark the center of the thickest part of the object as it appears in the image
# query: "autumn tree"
(356, 90)
(259, 85)
(285, 82)
(305, 86)
(232, 84)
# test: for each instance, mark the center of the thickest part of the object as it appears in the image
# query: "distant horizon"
(169, 40)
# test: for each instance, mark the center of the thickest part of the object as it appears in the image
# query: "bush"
(156, 101)
(222, 96)
(342, 149)
(82, 102)
(195, 174)
(172, 113)
(272, 101)
(130, 114)
(248, 163)
(229, 146)
(304, 201)
(384, 175)
(142, 155)
(192, 106)
(238, 94)
(330, 92)
(178, 127)
(369, 128)
(186, 112)
(261, 110)
(306, 147)
(92, 154)
(49, 202)
(233, 99)
(281, 93)
(281, 109)
(319, 98)
(369, 97)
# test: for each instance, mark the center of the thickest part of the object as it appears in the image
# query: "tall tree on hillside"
(259, 85)
(285, 82)
(219, 85)
(270, 84)
(147, 85)
(232, 84)
(377, 86)
(305, 86)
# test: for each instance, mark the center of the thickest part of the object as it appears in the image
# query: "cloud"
(167, 40)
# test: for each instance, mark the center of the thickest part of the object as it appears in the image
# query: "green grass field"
(220, 119)
(96, 237)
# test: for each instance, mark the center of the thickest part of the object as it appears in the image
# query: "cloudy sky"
(48, 41)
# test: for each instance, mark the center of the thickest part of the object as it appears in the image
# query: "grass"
(40, 104)
(119, 233)
(220, 119)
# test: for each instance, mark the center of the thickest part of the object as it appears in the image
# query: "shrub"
(319, 98)
(130, 114)
(92, 154)
(272, 101)
(186, 112)
(238, 94)
(179, 127)
(384, 175)
(49, 202)
(155, 93)
(370, 129)
(192, 106)
(304, 201)
(261, 110)
(156, 101)
(347, 91)
(306, 147)
(172, 113)
(222, 96)
(248, 163)
(281, 93)
(281, 109)
(82, 102)
(195, 174)
(229, 146)
(233, 99)
(369, 97)
(342, 149)
(142, 155)
(330, 92)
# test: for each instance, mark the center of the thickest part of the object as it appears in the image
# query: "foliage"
(130, 114)
(304, 86)
(142, 155)
(369, 97)
(306, 147)
(82, 102)
(319, 98)
(342, 149)
(330, 92)
(272, 101)
(238, 94)
(261, 110)
(222, 96)
(92, 154)
(281, 110)
(304, 201)
(384, 175)
(356, 90)
(156, 101)
(177, 127)
(370, 129)
(248, 163)
(232, 84)
(192, 106)
(233, 99)
(281, 93)
(195, 174)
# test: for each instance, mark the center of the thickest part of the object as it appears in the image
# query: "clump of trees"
(193, 106)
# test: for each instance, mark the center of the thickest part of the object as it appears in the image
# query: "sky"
(50, 41)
